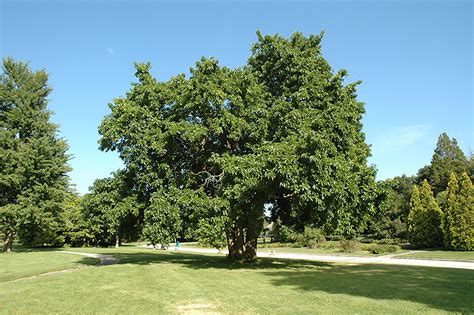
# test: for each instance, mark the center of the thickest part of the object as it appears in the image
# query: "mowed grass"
(29, 263)
(160, 282)
(318, 251)
(440, 254)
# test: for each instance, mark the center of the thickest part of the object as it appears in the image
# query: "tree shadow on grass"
(439, 288)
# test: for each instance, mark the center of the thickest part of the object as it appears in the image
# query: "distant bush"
(389, 241)
(284, 234)
(383, 249)
(349, 246)
(311, 237)
(273, 245)
(330, 245)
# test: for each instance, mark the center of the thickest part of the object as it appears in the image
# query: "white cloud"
(404, 136)
(110, 51)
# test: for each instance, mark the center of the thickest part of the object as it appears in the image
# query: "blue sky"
(415, 59)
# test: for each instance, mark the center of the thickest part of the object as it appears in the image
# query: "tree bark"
(7, 242)
(243, 236)
(236, 242)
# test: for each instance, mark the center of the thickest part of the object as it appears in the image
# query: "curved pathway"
(104, 260)
(385, 260)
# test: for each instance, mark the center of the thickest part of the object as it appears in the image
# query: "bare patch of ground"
(197, 308)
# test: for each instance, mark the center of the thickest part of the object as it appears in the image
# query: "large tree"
(283, 130)
(33, 160)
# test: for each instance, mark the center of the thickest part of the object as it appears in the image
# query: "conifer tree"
(447, 158)
(416, 212)
(33, 160)
(466, 205)
(450, 211)
(459, 214)
(425, 218)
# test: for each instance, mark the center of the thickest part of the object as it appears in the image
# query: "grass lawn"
(441, 254)
(24, 263)
(148, 281)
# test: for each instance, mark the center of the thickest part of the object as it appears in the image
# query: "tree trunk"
(7, 242)
(242, 238)
(251, 236)
(117, 241)
(236, 242)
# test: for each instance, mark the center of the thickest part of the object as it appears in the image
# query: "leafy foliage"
(390, 219)
(212, 231)
(111, 211)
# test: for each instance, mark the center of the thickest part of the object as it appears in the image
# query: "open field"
(147, 281)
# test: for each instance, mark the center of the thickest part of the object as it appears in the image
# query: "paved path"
(104, 259)
(385, 260)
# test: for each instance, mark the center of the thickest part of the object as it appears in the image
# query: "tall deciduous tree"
(111, 211)
(33, 160)
(283, 130)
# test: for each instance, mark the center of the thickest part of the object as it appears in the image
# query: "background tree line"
(431, 198)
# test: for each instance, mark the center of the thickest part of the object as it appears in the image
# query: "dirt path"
(104, 260)
(385, 260)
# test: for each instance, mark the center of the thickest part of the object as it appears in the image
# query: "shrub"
(330, 245)
(272, 245)
(311, 237)
(382, 249)
(349, 246)
(389, 241)
(284, 234)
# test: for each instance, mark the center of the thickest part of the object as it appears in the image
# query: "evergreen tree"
(414, 216)
(33, 160)
(459, 214)
(451, 211)
(466, 205)
(447, 158)
(424, 220)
